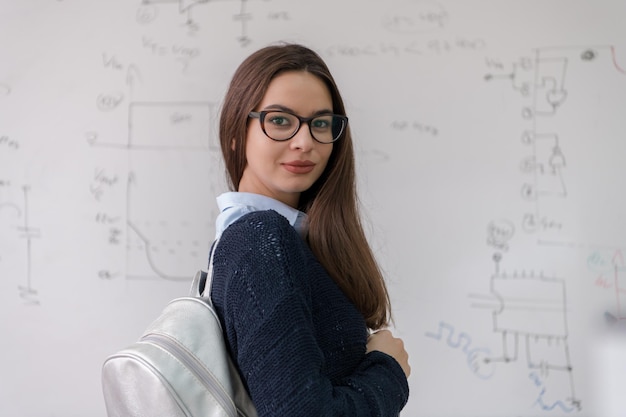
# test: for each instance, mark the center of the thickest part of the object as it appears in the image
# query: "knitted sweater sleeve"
(264, 300)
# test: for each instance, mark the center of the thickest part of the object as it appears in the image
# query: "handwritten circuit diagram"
(16, 227)
(529, 312)
(149, 10)
(563, 155)
(165, 182)
(548, 81)
(16, 223)
(166, 222)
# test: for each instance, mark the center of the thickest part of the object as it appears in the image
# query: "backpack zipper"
(195, 366)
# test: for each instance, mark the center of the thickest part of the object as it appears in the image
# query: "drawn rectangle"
(531, 306)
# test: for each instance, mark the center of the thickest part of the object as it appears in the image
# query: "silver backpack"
(179, 367)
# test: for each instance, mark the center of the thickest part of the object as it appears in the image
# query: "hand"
(383, 341)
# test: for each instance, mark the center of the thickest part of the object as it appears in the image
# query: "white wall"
(491, 157)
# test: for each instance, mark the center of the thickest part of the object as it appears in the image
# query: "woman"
(294, 280)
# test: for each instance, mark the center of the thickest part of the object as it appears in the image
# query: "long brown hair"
(336, 234)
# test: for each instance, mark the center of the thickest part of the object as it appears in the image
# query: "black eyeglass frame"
(261, 116)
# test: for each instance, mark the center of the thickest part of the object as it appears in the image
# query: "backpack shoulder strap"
(202, 278)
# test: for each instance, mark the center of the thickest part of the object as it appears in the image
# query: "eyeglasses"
(281, 125)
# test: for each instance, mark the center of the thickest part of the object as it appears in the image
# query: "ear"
(232, 144)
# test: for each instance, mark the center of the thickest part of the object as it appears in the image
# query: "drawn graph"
(168, 144)
(170, 196)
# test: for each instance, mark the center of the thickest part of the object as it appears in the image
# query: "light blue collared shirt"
(234, 205)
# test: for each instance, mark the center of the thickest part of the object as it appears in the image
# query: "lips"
(299, 167)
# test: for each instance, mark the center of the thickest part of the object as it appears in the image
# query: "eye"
(322, 123)
(279, 119)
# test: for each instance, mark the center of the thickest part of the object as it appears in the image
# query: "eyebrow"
(280, 107)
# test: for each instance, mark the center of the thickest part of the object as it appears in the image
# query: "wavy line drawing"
(474, 356)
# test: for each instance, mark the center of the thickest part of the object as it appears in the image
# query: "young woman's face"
(283, 170)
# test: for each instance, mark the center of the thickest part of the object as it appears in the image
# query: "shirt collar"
(234, 205)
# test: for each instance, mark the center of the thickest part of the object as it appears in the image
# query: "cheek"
(323, 163)
(253, 148)
(262, 151)
(326, 152)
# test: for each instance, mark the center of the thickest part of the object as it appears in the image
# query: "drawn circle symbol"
(500, 231)
(528, 164)
(528, 192)
(527, 113)
(108, 102)
(478, 362)
(528, 137)
(588, 55)
(146, 14)
(529, 223)
(92, 137)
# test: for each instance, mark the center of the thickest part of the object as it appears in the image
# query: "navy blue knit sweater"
(298, 341)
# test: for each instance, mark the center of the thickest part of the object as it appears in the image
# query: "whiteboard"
(491, 155)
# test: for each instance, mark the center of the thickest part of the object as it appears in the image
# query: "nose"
(303, 139)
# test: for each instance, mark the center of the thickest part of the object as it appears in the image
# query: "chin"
(298, 186)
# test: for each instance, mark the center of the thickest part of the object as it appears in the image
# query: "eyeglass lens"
(282, 126)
